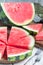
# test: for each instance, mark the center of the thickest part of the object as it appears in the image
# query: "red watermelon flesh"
(3, 34)
(14, 50)
(39, 36)
(17, 33)
(34, 27)
(20, 40)
(19, 13)
(2, 49)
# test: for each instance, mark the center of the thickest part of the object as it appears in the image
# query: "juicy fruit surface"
(23, 42)
(14, 50)
(2, 49)
(34, 27)
(3, 34)
(17, 54)
(20, 13)
(39, 36)
(18, 32)
(19, 40)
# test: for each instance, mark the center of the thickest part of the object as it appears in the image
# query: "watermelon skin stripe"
(21, 57)
(11, 58)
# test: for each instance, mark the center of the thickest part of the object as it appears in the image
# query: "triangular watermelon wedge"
(39, 36)
(17, 54)
(21, 13)
(18, 32)
(2, 49)
(20, 38)
(33, 28)
(3, 34)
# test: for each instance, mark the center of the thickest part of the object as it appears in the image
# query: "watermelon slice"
(39, 36)
(19, 13)
(17, 54)
(2, 49)
(20, 39)
(33, 28)
(18, 32)
(3, 34)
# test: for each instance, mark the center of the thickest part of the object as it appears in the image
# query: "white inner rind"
(32, 42)
(23, 53)
(25, 22)
(0, 55)
(30, 29)
(3, 28)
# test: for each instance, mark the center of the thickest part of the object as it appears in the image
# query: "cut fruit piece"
(2, 49)
(20, 39)
(39, 36)
(17, 54)
(18, 33)
(33, 28)
(19, 13)
(3, 34)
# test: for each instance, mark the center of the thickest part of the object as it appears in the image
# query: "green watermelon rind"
(27, 21)
(19, 57)
(34, 32)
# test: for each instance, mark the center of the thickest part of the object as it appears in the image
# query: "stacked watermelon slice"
(18, 42)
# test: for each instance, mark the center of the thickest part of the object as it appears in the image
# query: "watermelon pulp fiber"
(12, 57)
(20, 14)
